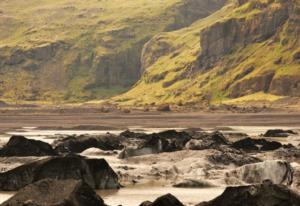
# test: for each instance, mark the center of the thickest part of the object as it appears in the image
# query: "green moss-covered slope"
(80, 50)
(249, 48)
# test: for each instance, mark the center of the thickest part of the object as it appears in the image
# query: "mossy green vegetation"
(81, 50)
(259, 63)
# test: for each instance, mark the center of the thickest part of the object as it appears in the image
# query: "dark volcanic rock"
(193, 184)
(77, 144)
(210, 141)
(167, 141)
(278, 133)
(50, 192)
(266, 194)
(249, 144)
(21, 146)
(226, 156)
(95, 172)
(166, 200)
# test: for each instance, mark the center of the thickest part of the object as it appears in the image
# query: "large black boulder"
(50, 192)
(95, 172)
(249, 144)
(165, 200)
(266, 194)
(279, 133)
(166, 141)
(77, 144)
(21, 146)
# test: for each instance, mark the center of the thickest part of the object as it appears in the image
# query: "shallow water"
(134, 196)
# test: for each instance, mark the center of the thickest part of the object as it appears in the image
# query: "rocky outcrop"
(50, 192)
(223, 37)
(266, 194)
(95, 172)
(251, 85)
(249, 144)
(165, 200)
(20, 146)
(286, 85)
(77, 144)
(279, 172)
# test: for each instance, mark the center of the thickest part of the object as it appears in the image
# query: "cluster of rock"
(39, 182)
(53, 179)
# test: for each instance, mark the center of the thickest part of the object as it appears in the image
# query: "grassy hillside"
(76, 50)
(248, 50)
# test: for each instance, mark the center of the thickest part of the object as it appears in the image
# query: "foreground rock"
(166, 200)
(95, 172)
(77, 144)
(21, 146)
(249, 144)
(279, 133)
(266, 194)
(279, 172)
(49, 192)
(167, 141)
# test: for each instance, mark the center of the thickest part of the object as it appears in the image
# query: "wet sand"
(10, 120)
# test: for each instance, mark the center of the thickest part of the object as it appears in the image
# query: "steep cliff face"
(83, 50)
(248, 47)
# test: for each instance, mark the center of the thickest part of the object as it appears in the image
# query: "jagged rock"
(249, 144)
(165, 200)
(266, 194)
(50, 192)
(279, 133)
(193, 184)
(167, 141)
(216, 41)
(95, 172)
(226, 156)
(279, 172)
(21, 146)
(212, 141)
(77, 144)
